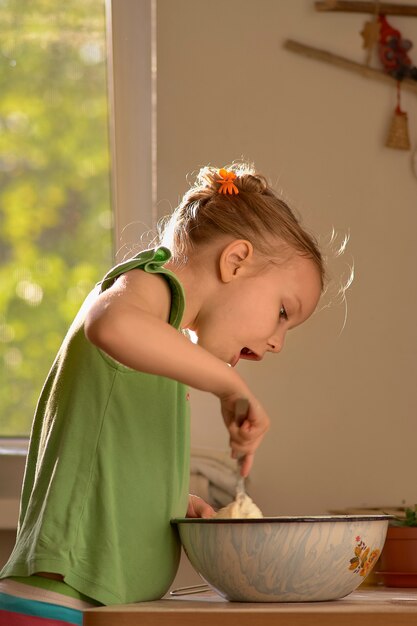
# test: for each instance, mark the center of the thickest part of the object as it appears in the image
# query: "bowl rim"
(284, 519)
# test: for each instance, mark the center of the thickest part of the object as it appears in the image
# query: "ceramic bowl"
(284, 559)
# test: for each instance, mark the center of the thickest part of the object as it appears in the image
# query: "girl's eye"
(283, 313)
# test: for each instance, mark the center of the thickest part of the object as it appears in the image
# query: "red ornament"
(392, 50)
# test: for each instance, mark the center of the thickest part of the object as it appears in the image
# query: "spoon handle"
(241, 411)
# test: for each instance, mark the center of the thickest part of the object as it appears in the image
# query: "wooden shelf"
(383, 8)
(347, 64)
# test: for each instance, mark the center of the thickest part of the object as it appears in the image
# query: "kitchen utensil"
(284, 559)
(241, 411)
(186, 591)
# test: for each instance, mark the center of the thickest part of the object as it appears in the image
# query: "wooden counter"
(372, 606)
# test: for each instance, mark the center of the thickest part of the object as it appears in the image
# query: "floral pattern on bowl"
(364, 559)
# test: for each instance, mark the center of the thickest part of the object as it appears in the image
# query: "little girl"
(108, 462)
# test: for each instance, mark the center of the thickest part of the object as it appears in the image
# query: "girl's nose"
(276, 343)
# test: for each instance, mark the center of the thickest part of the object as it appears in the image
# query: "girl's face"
(251, 315)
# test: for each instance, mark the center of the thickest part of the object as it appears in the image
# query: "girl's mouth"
(248, 354)
(245, 353)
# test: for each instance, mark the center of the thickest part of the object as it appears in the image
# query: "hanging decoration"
(392, 51)
(398, 136)
(370, 33)
(392, 54)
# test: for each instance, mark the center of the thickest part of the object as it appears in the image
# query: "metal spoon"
(241, 412)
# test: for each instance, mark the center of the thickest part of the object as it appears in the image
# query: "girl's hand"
(197, 507)
(245, 439)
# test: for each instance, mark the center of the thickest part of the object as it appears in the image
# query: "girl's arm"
(129, 322)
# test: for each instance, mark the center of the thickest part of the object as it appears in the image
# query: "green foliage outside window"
(55, 214)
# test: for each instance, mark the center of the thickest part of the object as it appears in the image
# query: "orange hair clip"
(226, 182)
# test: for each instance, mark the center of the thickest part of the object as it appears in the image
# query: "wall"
(342, 396)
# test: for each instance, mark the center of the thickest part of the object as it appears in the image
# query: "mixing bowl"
(284, 559)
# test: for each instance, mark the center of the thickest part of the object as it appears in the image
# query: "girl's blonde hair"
(256, 213)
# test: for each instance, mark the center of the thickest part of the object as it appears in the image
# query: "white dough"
(242, 507)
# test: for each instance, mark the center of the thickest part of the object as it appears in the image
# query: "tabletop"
(370, 606)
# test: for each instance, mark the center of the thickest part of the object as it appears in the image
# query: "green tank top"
(107, 468)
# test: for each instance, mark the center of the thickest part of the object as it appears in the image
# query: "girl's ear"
(235, 257)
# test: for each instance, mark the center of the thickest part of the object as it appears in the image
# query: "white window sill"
(14, 447)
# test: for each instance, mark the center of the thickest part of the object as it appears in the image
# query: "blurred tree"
(55, 212)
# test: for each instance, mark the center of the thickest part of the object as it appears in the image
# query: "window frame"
(130, 33)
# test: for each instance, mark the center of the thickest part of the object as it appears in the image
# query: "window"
(55, 204)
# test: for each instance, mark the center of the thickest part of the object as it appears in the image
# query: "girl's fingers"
(197, 507)
(246, 465)
(246, 437)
